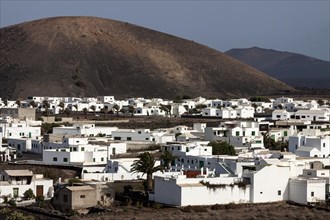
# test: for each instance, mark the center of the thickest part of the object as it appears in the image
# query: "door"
(201, 164)
(40, 190)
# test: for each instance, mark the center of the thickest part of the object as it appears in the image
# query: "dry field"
(264, 211)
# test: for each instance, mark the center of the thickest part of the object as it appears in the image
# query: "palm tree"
(116, 107)
(166, 108)
(104, 111)
(33, 104)
(146, 165)
(269, 142)
(67, 111)
(167, 158)
(18, 103)
(46, 106)
(76, 107)
(131, 109)
(93, 108)
(62, 106)
(85, 110)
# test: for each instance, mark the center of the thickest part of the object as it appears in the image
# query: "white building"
(310, 146)
(313, 115)
(87, 130)
(116, 169)
(280, 115)
(178, 190)
(14, 183)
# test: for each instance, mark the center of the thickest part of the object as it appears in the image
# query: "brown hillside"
(294, 69)
(88, 56)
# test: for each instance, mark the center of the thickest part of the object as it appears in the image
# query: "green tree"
(146, 165)
(320, 102)
(167, 158)
(222, 148)
(259, 99)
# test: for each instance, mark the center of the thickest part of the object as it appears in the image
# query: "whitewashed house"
(85, 130)
(280, 115)
(310, 146)
(13, 184)
(178, 190)
(209, 112)
(245, 112)
(115, 169)
(313, 115)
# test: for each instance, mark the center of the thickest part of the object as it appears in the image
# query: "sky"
(300, 26)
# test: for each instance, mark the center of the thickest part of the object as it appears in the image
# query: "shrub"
(157, 206)
(221, 147)
(139, 204)
(28, 194)
(12, 202)
(72, 181)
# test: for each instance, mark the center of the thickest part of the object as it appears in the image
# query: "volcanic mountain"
(294, 69)
(88, 56)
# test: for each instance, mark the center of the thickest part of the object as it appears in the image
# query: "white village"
(258, 150)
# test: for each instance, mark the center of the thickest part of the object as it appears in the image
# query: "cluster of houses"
(196, 176)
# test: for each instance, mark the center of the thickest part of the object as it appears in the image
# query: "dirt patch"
(248, 211)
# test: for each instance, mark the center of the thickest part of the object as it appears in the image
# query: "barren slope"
(88, 56)
(291, 68)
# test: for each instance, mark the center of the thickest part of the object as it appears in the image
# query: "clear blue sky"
(301, 26)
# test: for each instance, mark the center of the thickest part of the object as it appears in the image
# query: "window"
(82, 149)
(54, 158)
(102, 159)
(312, 194)
(82, 196)
(117, 138)
(65, 159)
(129, 138)
(139, 132)
(279, 192)
(93, 159)
(179, 148)
(237, 133)
(260, 192)
(65, 198)
(253, 133)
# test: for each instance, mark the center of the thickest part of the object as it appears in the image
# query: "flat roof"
(190, 185)
(19, 172)
(79, 188)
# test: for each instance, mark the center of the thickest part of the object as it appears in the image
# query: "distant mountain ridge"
(89, 56)
(294, 69)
